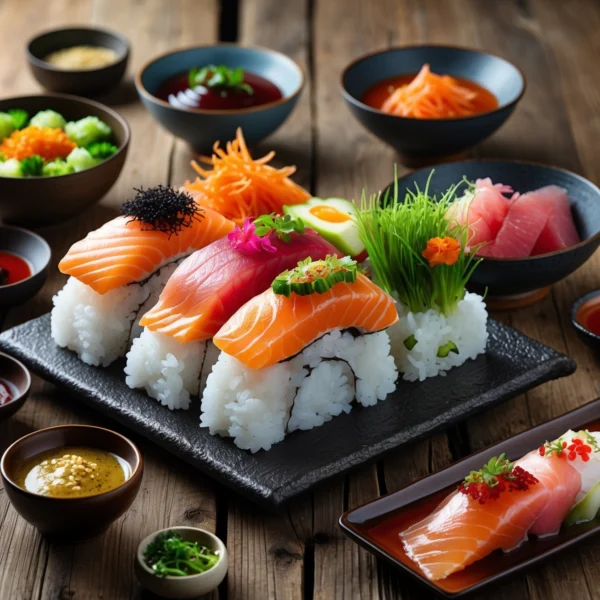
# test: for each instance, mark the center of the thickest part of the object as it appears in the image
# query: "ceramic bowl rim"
(222, 548)
(33, 274)
(39, 62)
(28, 380)
(204, 111)
(594, 238)
(353, 100)
(577, 304)
(84, 101)
(135, 473)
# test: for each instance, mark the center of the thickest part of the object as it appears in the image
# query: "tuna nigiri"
(203, 292)
(118, 270)
(297, 355)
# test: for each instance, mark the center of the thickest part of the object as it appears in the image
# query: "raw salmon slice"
(271, 328)
(564, 482)
(210, 285)
(559, 231)
(461, 531)
(123, 251)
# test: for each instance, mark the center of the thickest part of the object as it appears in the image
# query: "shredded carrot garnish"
(239, 186)
(46, 142)
(431, 96)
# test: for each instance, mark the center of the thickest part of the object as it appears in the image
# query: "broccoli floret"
(88, 130)
(80, 159)
(102, 150)
(7, 125)
(11, 168)
(32, 166)
(57, 167)
(19, 117)
(48, 118)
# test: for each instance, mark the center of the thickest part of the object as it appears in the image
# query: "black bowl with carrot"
(431, 102)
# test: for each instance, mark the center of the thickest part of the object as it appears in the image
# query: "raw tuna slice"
(522, 226)
(564, 483)
(485, 210)
(560, 229)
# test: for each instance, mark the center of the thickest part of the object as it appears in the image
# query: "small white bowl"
(190, 586)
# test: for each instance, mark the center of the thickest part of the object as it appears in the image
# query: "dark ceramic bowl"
(590, 338)
(86, 81)
(522, 279)
(35, 250)
(15, 372)
(423, 141)
(72, 519)
(202, 128)
(50, 200)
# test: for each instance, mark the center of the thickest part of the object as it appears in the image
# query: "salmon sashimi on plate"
(118, 271)
(493, 509)
(171, 358)
(299, 354)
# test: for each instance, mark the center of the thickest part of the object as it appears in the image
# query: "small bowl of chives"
(181, 562)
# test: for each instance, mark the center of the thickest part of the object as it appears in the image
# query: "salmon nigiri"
(272, 327)
(118, 271)
(493, 509)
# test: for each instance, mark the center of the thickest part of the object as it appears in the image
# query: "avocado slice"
(332, 218)
(586, 509)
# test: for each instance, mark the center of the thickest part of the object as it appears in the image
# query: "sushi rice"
(466, 327)
(258, 407)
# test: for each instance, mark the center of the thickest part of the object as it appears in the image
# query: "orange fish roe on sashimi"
(239, 186)
(45, 142)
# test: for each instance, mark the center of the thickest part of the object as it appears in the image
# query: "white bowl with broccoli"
(58, 155)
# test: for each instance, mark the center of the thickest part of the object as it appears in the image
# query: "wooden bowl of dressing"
(65, 480)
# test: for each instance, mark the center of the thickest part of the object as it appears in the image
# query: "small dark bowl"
(427, 141)
(36, 251)
(86, 81)
(517, 281)
(49, 200)
(16, 373)
(590, 338)
(202, 128)
(72, 519)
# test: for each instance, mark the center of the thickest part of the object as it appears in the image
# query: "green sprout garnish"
(169, 555)
(101, 150)
(315, 276)
(282, 226)
(220, 78)
(396, 235)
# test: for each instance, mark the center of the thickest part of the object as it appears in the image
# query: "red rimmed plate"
(376, 525)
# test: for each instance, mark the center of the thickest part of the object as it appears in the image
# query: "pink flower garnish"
(246, 241)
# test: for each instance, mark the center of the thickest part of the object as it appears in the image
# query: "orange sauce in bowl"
(588, 315)
(377, 94)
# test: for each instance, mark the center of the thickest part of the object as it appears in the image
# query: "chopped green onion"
(444, 350)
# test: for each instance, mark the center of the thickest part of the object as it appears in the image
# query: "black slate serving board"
(513, 363)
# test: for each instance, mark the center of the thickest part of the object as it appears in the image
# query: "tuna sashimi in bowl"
(532, 224)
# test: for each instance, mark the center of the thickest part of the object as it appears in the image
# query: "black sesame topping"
(163, 209)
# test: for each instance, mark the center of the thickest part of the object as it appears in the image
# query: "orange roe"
(442, 251)
(46, 142)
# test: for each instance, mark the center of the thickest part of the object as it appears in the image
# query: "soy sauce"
(589, 315)
(176, 91)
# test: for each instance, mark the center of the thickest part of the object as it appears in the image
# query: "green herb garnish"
(315, 276)
(220, 78)
(282, 226)
(101, 150)
(19, 117)
(32, 166)
(169, 555)
(396, 235)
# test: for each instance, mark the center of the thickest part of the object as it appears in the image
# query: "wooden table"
(299, 553)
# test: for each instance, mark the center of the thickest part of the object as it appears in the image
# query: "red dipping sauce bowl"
(24, 259)
(585, 318)
(15, 382)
